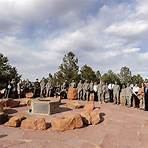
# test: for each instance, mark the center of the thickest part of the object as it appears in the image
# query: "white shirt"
(135, 89)
(110, 86)
(95, 88)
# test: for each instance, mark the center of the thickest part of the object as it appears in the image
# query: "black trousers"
(110, 95)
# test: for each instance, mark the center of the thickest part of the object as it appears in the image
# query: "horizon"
(104, 34)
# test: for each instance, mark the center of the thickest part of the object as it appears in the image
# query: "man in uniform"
(42, 86)
(49, 88)
(86, 90)
(116, 90)
(104, 91)
(123, 96)
(128, 96)
(73, 84)
(100, 92)
(80, 90)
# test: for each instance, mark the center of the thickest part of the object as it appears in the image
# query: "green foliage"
(137, 79)
(125, 75)
(110, 77)
(87, 73)
(7, 72)
(98, 75)
(68, 70)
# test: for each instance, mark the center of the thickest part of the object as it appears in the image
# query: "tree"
(137, 79)
(125, 75)
(68, 70)
(7, 72)
(87, 73)
(98, 75)
(110, 77)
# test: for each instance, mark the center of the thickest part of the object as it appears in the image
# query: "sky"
(105, 34)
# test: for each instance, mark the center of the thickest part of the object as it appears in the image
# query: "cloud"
(36, 34)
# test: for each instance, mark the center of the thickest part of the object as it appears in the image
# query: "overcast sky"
(105, 34)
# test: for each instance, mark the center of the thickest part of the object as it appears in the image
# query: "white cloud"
(107, 38)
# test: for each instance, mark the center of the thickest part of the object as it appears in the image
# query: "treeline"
(69, 70)
(7, 72)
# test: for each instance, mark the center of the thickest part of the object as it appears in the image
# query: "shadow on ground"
(101, 117)
(10, 111)
(2, 136)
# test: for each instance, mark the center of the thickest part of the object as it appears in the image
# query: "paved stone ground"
(121, 127)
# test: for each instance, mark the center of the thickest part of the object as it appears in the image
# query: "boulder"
(1, 108)
(86, 117)
(29, 95)
(34, 123)
(68, 121)
(72, 94)
(95, 117)
(73, 104)
(3, 117)
(89, 106)
(15, 121)
(12, 103)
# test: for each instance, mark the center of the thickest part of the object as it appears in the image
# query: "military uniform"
(123, 96)
(48, 88)
(116, 89)
(86, 91)
(80, 90)
(91, 91)
(73, 84)
(128, 96)
(100, 92)
(42, 85)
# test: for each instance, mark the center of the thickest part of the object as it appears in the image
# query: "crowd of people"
(127, 95)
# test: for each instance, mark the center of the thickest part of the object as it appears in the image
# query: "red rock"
(1, 108)
(72, 104)
(67, 122)
(95, 117)
(34, 123)
(89, 106)
(72, 94)
(29, 95)
(15, 121)
(86, 117)
(3, 117)
(12, 103)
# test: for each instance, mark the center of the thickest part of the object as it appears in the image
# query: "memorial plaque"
(45, 106)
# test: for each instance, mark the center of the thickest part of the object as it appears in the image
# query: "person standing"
(104, 91)
(135, 96)
(128, 96)
(42, 86)
(110, 90)
(86, 91)
(37, 88)
(8, 89)
(116, 90)
(91, 91)
(141, 96)
(123, 96)
(146, 97)
(80, 90)
(49, 88)
(100, 92)
(19, 88)
(73, 84)
(95, 88)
